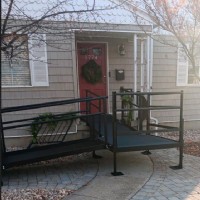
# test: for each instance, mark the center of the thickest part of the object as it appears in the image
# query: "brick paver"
(168, 184)
(77, 171)
(69, 173)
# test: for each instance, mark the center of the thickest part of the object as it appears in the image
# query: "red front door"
(92, 56)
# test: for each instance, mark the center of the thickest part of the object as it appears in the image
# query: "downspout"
(135, 62)
(150, 61)
(150, 41)
(142, 66)
(148, 64)
(135, 70)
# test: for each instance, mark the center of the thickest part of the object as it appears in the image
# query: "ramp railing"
(47, 127)
(97, 106)
(142, 108)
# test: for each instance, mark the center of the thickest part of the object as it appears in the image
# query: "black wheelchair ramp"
(50, 132)
(113, 132)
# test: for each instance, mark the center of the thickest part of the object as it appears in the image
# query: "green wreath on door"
(92, 72)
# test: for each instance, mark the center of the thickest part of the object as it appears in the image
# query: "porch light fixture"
(121, 49)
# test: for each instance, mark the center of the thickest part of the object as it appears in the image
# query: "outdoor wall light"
(121, 49)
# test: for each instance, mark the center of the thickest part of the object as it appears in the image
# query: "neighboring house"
(51, 70)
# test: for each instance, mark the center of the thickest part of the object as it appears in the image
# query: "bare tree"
(177, 18)
(24, 21)
(24, 17)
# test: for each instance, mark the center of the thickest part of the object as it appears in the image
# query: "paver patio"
(146, 178)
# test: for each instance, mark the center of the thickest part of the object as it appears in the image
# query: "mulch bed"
(192, 148)
(191, 141)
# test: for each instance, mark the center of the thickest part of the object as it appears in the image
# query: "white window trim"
(194, 85)
(31, 64)
(177, 74)
(31, 72)
(17, 86)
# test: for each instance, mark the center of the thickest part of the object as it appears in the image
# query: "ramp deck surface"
(127, 138)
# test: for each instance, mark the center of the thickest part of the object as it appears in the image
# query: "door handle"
(104, 80)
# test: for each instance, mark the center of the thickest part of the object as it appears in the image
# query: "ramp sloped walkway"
(43, 153)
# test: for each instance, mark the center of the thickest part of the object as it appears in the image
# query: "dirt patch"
(191, 140)
(192, 148)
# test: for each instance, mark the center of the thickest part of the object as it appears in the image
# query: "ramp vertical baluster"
(100, 117)
(3, 148)
(68, 128)
(104, 121)
(88, 112)
(147, 152)
(60, 129)
(181, 132)
(114, 132)
(114, 111)
(148, 112)
(140, 113)
(90, 119)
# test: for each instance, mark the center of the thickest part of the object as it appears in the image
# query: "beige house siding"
(164, 79)
(61, 82)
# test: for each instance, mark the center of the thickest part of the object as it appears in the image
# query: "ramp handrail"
(49, 104)
(148, 108)
(58, 120)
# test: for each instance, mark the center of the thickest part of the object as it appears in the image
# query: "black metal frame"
(98, 123)
(101, 105)
(137, 107)
(58, 144)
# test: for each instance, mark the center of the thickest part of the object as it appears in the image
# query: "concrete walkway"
(137, 169)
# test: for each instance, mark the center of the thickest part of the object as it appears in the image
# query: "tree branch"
(7, 17)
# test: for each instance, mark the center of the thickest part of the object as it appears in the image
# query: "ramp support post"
(180, 166)
(115, 173)
(181, 141)
(114, 132)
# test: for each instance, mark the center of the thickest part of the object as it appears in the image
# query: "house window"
(16, 71)
(192, 78)
(186, 75)
(28, 65)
